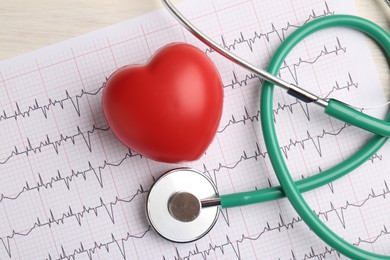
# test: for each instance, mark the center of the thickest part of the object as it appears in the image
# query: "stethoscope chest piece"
(174, 209)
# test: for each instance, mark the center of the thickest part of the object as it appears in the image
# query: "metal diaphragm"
(173, 206)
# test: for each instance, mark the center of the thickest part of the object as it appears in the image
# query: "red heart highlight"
(169, 109)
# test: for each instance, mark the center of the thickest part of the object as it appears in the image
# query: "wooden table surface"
(26, 25)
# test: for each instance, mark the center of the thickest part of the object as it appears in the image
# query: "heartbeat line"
(75, 101)
(105, 207)
(279, 33)
(85, 136)
(96, 171)
(247, 117)
(281, 225)
(117, 243)
(329, 251)
(51, 103)
(292, 68)
(284, 225)
(108, 208)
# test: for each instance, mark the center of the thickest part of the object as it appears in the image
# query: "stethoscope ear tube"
(351, 116)
(292, 89)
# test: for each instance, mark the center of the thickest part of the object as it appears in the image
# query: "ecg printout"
(70, 190)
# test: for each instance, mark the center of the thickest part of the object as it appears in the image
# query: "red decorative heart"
(169, 109)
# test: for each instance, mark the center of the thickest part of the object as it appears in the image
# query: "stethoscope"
(182, 205)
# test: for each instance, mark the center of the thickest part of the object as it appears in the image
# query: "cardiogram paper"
(70, 190)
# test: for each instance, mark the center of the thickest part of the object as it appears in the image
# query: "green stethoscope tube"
(310, 183)
(289, 188)
(335, 109)
(349, 115)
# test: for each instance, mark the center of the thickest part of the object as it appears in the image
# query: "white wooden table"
(26, 25)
